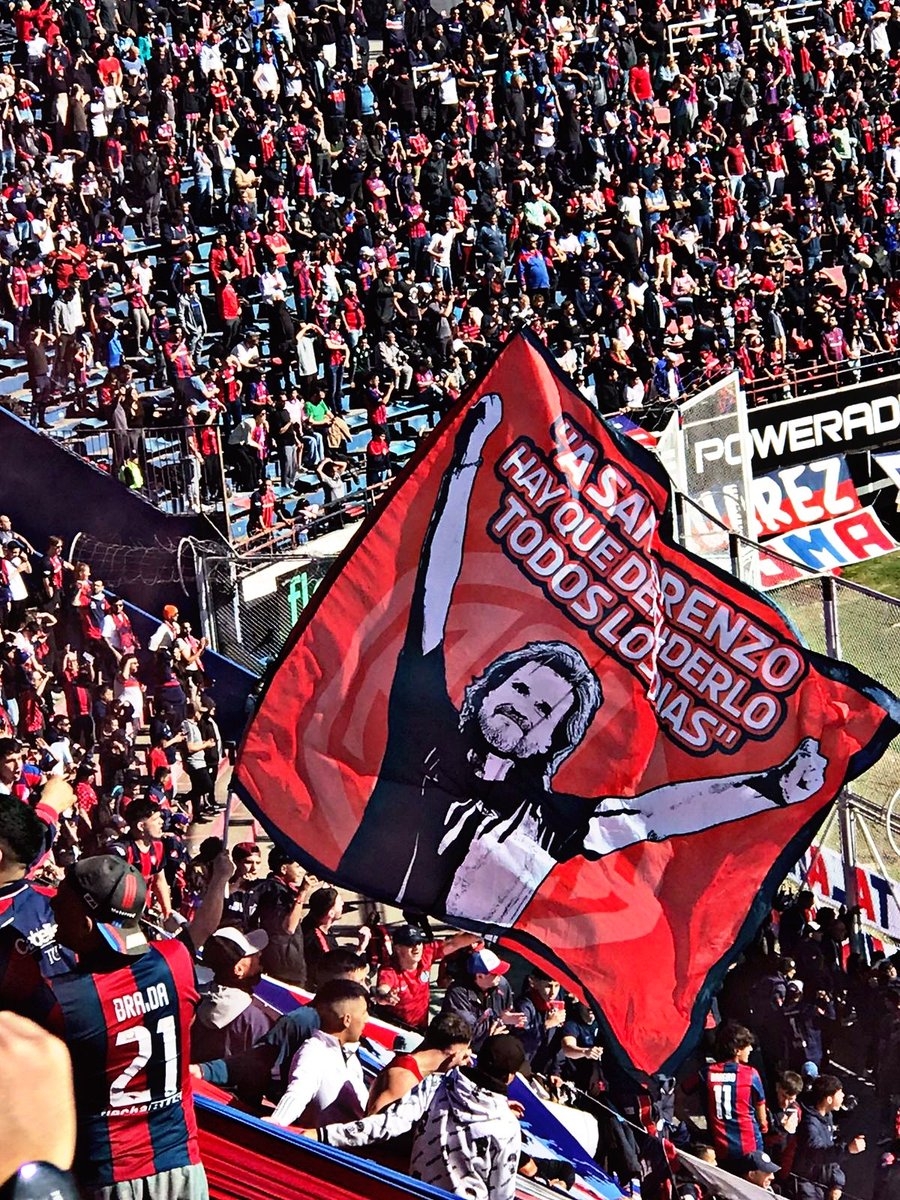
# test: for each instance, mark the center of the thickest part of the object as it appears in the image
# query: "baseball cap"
(501, 1056)
(758, 1160)
(409, 935)
(228, 946)
(486, 962)
(113, 892)
(279, 858)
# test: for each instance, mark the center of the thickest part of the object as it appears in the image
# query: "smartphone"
(557, 1006)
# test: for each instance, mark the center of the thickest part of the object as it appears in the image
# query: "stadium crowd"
(257, 208)
(253, 210)
(109, 757)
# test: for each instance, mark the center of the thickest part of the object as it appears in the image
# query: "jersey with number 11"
(128, 1031)
(735, 1092)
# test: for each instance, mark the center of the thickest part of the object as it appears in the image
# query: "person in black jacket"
(817, 1167)
(484, 1000)
(545, 1014)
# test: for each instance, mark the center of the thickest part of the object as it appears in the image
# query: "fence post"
(832, 622)
(734, 553)
(846, 814)
(207, 612)
(223, 482)
(678, 513)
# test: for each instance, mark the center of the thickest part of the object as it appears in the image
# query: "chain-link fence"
(251, 604)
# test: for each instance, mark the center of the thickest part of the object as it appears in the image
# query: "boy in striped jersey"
(125, 1015)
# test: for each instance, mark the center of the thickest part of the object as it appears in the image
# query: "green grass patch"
(880, 574)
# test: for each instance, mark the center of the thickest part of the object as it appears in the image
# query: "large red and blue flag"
(522, 706)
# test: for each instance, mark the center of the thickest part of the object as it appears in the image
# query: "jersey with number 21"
(128, 1031)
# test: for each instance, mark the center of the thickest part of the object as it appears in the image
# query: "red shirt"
(218, 258)
(414, 987)
(229, 304)
(639, 83)
(353, 313)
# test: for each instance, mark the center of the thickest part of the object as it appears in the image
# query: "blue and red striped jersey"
(734, 1090)
(149, 862)
(23, 989)
(128, 1031)
(25, 907)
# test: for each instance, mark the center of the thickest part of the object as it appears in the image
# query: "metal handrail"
(291, 533)
(819, 377)
(800, 10)
(169, 479)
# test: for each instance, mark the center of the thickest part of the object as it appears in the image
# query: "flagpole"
(846, 814)
(226, 820)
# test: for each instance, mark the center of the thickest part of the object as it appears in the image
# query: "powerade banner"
(518, 704)
(863, 416)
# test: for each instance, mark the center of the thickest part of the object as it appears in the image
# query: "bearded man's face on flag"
(519, 717)
(534, 703)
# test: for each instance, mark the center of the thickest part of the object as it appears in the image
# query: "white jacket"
(466, 1139)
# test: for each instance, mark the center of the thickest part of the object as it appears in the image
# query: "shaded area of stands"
(48, 490)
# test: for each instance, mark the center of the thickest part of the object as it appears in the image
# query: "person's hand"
(309, 884)
(195, 1071)
(36, 1097)
(857, 1145)
(517, 1109)
(390, 998)
(790, 1122)
(222, 866)
(554, 1018)
(58, 794)
(596, 1053)
(497, 1027)
(363, 937)
(512, 1019)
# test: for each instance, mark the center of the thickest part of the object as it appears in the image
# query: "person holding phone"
(484, 998)
(541, 1034)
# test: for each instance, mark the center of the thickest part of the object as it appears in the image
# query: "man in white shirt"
(211, 55)
(326, 1084)
(439, 249)
(284, 19)
(167, 631)
(59, 746)
(13, 566)
(630, 205)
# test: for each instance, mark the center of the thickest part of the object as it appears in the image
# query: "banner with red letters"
(517, 704)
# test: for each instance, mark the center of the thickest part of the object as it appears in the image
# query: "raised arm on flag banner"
(443, 548)
(464, 819)
(683, 808)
